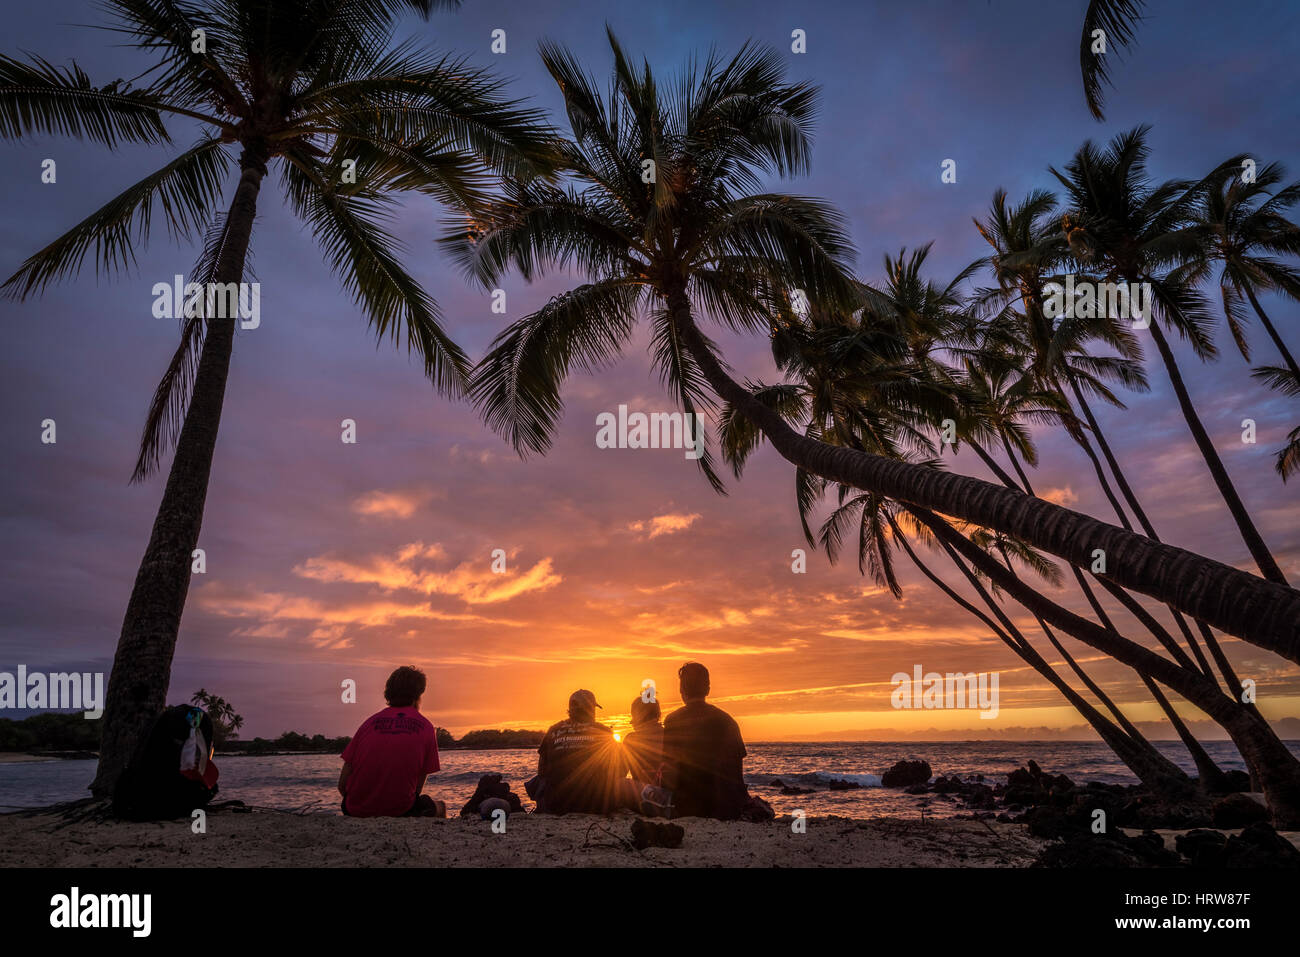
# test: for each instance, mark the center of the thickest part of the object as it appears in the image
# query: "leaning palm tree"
(863, 382)
(316, 89)
(1138, 232)
(663, 216)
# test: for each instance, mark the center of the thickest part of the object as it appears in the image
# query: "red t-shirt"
(391, 754)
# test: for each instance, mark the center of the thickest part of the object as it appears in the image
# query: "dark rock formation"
(906, 773)
(656, 834)
(1238, 810)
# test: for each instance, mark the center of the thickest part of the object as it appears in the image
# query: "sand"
(265, 838)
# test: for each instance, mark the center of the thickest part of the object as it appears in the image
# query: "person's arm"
(343, 778)
(542, 750)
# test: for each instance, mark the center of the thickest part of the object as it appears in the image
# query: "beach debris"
(656, 834)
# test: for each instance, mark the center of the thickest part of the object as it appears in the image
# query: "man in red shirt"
(387, 760)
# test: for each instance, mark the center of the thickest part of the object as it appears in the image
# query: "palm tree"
(306, 85)
(1240, 234)
(1134, 230)
(699, 237)
(1117, 20)
(850, 387)
(1027, 247)
(842, 389)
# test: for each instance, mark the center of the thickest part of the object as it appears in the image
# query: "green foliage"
(51, 732)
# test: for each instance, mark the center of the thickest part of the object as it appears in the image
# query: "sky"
(329, 561)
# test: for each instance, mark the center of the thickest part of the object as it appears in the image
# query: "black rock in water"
(906, 773)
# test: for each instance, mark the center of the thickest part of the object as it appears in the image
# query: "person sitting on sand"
(703, 753)
(387, 761)
(578, 770)
(643, 746)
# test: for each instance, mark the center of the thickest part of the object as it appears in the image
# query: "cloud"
(1059, 496)
(392, 504)
(664, 524)
(474, 583)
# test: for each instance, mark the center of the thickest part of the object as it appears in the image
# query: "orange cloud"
(664, 524)
(474, 583)
(392, 504)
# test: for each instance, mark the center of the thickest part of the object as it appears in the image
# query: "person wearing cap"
(578, 770)
(703, 753)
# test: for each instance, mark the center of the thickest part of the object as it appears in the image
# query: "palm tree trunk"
(137, 685)
(1268, 567)
(1277, 339)
(1091, 685)
(1207, 634)
(1261, 612)
(1148, 765)
(1279, 769)
(1211, 776)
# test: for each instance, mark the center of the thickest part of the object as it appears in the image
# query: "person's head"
(582, 706)
(693, 681)
(405, 687)
(644, 712)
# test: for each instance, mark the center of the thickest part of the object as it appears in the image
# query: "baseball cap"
(582, 699)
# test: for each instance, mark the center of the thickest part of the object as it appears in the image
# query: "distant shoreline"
(38, 756)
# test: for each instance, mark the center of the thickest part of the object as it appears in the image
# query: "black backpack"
(152, 788)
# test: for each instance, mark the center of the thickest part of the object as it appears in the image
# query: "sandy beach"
(277, 839)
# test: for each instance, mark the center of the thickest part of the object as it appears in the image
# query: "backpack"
(172, 774)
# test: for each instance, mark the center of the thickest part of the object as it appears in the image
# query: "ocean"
(307, 781)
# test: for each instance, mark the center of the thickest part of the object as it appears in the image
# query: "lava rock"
(1050, 822)
(656, 834)
(906, 773)
(1260, 846)
(1204, 848)
(1238, 810)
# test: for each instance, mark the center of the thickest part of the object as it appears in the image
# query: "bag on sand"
(656, 801)
(173, 773)
(491, 786)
